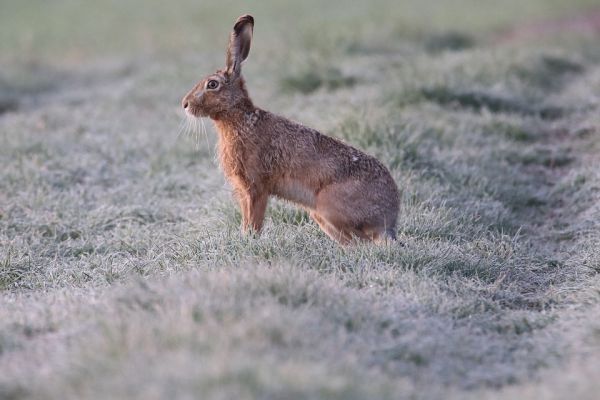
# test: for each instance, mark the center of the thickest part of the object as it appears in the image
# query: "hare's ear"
(239, 44)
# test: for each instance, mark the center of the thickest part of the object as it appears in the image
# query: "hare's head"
(224, 90)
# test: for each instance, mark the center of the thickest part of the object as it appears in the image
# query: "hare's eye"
(212, 84)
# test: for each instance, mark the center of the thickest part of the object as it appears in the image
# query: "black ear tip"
(244, 19)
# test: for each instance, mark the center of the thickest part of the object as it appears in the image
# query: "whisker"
(188, 126)
(205, 135)
(197, 133)
(193, 127)
(181, 128)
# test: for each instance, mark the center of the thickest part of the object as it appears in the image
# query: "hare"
(350, 194)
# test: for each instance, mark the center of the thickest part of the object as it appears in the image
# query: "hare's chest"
(244, 154)
(240, 166)
(232, 159)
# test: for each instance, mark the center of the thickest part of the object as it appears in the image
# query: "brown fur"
(347, 192)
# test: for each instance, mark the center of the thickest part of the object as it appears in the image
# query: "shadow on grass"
(549, 73)
(449, 41)
(478, 100)
(28, 81)
(311, 80)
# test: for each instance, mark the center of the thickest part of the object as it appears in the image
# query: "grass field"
(122, 270)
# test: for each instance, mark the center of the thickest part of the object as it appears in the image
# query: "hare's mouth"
(195, 112)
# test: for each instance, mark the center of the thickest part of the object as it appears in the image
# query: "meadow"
(123, 272)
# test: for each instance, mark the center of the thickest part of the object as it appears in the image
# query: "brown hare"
(350, 194)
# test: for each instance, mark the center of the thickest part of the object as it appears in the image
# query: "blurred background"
(69, 32)
(45, 44)
(298, 47)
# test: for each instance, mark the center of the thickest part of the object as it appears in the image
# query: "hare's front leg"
(253, 205)
(257, 208)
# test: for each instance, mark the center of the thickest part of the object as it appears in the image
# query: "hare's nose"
(185, 104)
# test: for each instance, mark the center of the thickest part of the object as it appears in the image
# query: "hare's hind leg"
(339, 206)
(347, 207)
(381, 235)
(339, 235)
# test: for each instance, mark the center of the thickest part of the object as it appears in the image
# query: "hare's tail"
(391, 234)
